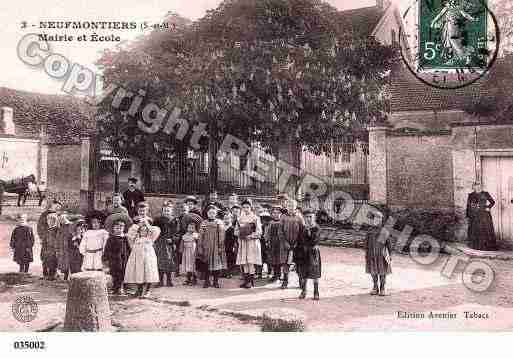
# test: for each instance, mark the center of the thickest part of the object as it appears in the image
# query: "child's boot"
(316, 291)
(375, 290)
(285, 282)
(259, 270)
(276, 274)
(303, 289)
(216, 279)
(161, 278)
(169, 279)
(188, 281)
(382, 291)
(207, 280)
(147, 291)
(139, 291)
(247, 282)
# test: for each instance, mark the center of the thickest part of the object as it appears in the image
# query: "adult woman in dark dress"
(481, 234)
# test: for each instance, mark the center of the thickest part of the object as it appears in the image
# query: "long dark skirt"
(75, 260)
(165, 256)
(308, 263)
(481, 234)
(376, 255)
(264, 251)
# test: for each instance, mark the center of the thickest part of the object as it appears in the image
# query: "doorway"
(497, 178)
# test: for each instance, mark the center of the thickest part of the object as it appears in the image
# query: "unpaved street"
(345, 303)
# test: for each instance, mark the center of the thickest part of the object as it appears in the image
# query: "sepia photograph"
(250, 166)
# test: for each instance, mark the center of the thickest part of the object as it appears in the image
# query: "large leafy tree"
(147, 66)
(503, 10)
(269, 71)
(496, 101)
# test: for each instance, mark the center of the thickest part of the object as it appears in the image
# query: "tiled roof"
(64, 118)
(362, 21)
(407, 93)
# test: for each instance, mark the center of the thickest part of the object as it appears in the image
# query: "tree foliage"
(267, 71)
(503, 10)
(496, 100)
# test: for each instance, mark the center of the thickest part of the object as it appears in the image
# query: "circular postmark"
(24, 309)
(449, 44)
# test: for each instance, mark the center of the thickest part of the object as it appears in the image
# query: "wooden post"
(87, 307)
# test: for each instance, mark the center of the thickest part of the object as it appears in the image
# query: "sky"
(18, 75)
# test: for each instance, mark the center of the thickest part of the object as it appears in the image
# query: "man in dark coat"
(132, 197)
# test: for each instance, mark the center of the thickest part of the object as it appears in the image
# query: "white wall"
(18, 157)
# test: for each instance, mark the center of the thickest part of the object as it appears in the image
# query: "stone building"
(47, 136)
(434, 150)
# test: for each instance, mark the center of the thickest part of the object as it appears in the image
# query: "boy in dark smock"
(307, 255)
(116, 254)
(167, 243)
(22, 243)
(291, 229)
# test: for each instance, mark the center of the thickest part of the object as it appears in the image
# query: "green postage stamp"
(449, 44)
(453, 34)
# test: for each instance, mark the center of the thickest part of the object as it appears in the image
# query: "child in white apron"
(92, 246)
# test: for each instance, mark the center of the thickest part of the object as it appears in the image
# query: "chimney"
(6, 121)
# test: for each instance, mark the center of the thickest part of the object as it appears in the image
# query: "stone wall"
(69, 199)
(64, 169)
(18, 158)
(419, 171)
(432, 170)
(486, 139)
(377, 165)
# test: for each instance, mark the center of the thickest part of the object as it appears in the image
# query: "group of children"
(144, 251)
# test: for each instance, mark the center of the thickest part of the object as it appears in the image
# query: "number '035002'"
(37, 345)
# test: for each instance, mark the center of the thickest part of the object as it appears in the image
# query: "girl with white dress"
(142, 267)
(188, 250)
(92, 245)
(249, 231)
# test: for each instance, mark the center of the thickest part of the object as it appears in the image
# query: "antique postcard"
(253, 166)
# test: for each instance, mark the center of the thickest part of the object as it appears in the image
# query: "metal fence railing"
(343, 167)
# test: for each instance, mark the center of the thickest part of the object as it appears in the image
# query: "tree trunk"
(290, 153)
(146, 166)
(117, 169)
(87, 307)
